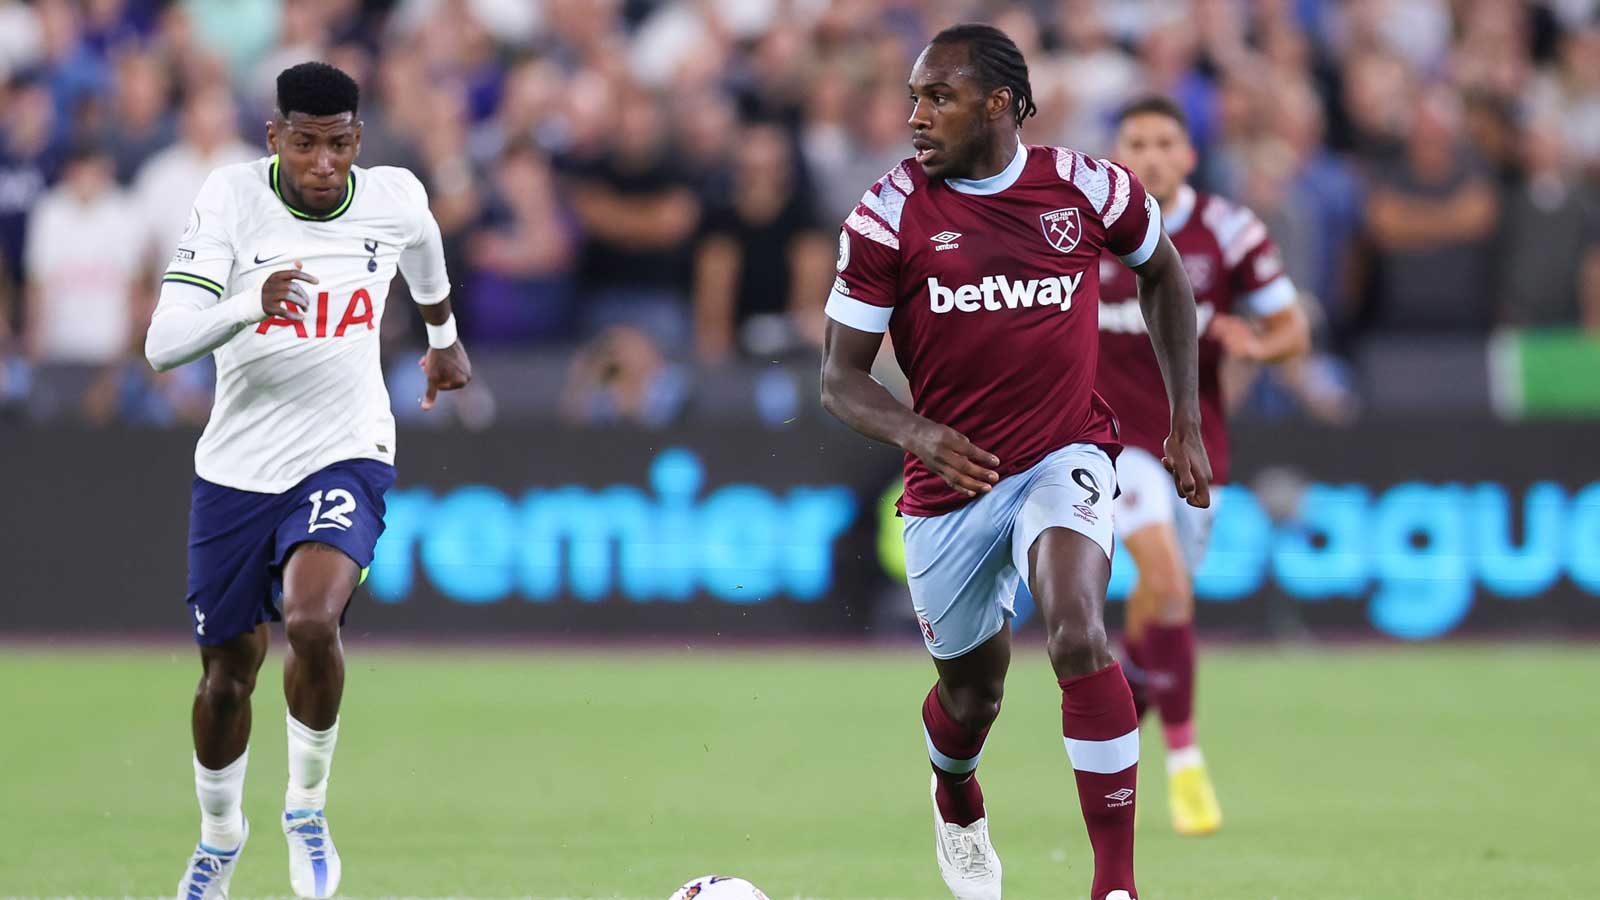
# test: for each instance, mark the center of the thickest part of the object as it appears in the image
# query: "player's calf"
(955, 729)
(220, 717)
(955, 738)
(1164, 599)
(1099, 726)
(1133, 662)
(956, 716)
(1101, 732)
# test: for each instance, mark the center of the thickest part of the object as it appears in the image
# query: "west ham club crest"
(1062, 228)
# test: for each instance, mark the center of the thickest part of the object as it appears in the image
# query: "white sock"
(310, 759)
(221, 794)
(1185, 758)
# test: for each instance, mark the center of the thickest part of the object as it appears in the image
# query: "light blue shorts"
(964, 566)
(1149, 497)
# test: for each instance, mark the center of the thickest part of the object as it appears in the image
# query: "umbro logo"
(1120, 794)
(260, 259)
(945, 240)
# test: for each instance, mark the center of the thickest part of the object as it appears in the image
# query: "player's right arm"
(195, 315)
(858, 314)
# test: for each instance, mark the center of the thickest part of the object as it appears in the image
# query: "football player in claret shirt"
(979, 256)
(1235, 271)
(282, 274)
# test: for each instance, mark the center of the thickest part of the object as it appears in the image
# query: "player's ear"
(358, 140)
(272, 136)
(999, 102)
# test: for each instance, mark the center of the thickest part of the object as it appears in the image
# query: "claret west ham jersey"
(1233, 267)
(990, 291)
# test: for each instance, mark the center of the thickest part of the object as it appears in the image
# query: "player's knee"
(224, 689)
(1076, 649)
(976, 706)
(310, 630)
(1171, 593)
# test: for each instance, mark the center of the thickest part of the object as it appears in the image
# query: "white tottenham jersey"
(294, 397)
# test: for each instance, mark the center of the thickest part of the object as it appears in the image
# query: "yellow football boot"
(1190, 796)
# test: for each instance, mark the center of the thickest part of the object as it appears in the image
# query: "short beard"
(301, 202)
(977, 148)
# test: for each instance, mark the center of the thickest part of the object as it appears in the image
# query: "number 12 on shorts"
(337, 515)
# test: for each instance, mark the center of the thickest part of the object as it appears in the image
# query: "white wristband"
(442, 337)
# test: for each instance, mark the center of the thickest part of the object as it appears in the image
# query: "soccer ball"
(719, 887)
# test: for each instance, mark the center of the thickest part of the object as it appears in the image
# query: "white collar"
(1182, 208)
(997, 182)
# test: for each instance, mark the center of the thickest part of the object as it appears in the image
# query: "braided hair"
(996, 62)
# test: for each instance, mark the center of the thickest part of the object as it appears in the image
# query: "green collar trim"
(344, 205)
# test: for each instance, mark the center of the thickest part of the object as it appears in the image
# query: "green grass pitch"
(1455, 772)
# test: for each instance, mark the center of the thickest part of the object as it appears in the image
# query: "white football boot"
(210, 870)
(1119, 895)
(967, 859)
(313, 862)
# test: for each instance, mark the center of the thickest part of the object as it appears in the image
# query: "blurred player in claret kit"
(980, 257)
(283, 273)
(1234, 269)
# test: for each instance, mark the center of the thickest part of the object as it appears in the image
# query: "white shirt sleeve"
(190, 322)
(192, 318)
(205, 254)
(422, 261)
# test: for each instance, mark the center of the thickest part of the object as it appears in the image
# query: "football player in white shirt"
(282, 273)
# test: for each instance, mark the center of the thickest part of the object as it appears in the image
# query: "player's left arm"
(1167, 301)
(1273, 338)
(422, 265)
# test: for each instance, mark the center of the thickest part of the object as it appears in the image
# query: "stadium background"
(639, 503)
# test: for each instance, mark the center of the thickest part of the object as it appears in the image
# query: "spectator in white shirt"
(82, 256)
(167, 183)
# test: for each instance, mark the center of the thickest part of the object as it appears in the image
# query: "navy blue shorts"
(240, 540)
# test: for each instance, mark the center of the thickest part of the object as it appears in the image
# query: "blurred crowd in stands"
(643, 196)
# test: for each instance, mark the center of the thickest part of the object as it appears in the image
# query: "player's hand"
(966, 467)
(284, 296)
(448, 370)
(1184, 455)
(1238, 337)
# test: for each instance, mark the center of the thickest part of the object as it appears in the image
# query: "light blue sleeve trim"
(857, 314)
(1274, 296)
(1152, 237)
